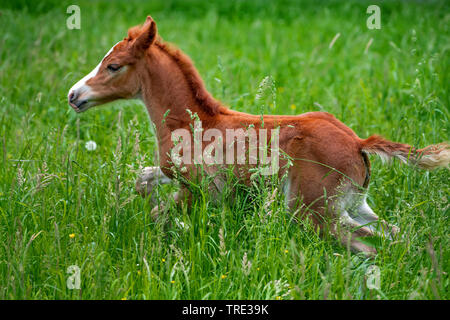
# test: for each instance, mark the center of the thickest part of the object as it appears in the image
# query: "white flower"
(91, 145)
(181, 224)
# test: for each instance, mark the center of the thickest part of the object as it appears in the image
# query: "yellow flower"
(163, 260)
(124, 298)
(278, 298)
(293, 107)
(173, 281)
(286, 251)
(72, 235)
(223, 276)
(257, 269)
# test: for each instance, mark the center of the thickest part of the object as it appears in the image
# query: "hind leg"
(341, 226)
(348, 231)
(366, 216)
(329, 217)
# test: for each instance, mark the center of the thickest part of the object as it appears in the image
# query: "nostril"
(72, 96)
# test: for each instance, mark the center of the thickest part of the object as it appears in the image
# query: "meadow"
(63, 205)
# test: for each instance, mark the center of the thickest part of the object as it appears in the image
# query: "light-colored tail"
(431, 157)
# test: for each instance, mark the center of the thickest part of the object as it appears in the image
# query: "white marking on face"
(81, 85)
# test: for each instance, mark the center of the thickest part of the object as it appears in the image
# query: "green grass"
(51, 187)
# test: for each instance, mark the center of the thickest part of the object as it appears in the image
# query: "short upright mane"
(206, 101)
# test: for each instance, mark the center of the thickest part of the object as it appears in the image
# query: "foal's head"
(116, 76)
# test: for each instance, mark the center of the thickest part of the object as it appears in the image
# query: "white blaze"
(81, 85)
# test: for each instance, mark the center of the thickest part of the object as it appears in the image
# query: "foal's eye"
(114, 67)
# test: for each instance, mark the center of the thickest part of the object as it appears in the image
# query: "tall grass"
(62, 205)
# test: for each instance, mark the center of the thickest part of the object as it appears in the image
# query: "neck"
(170, 86)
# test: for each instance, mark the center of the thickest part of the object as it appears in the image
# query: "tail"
(431, 157)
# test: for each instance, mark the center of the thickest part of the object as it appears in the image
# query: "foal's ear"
(147, 36)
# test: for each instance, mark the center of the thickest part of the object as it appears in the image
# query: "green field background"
(62, 205)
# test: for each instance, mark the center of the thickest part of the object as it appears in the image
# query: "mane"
(205, 100)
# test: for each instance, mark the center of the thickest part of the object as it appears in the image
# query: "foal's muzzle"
(78, 103)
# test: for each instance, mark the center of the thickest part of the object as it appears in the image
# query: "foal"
(330, 171)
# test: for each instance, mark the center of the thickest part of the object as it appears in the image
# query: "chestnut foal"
(330, 171)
